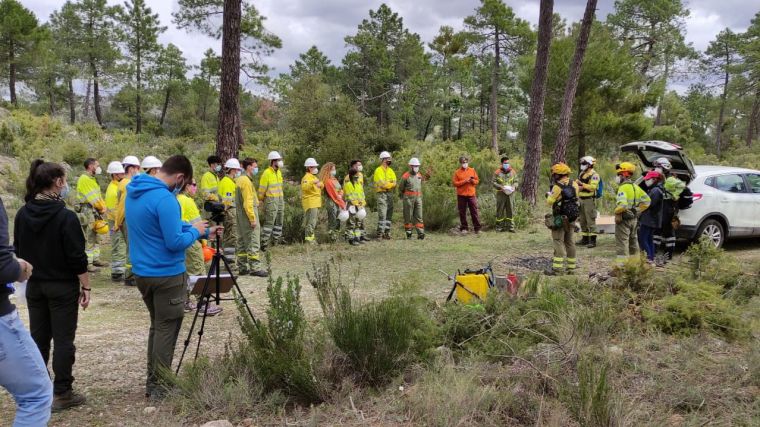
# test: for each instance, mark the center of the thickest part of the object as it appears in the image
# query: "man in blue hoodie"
(157, 242)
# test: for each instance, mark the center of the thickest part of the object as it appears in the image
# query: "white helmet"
(385, 155)
(414, 161)
(130, 161)
(663, 163)
(150, 162)
(343, 216)
(232, 164)
(361, 213)
(115, 167)
(273, 155)
(311, 163)
(588, 159)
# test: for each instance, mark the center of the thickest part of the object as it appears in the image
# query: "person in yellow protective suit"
(630, 203)
(311, 199)
(90, 207)
(272, 197)
(131, 168)
(210, 182)
(194, 263)
(353, 193)
(384, 180)
(588, 183)
(228, 196)
(563, 199)
(357, 164)
(249, 227)
(118, 246)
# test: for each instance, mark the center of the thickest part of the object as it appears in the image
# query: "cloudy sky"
(303, 23)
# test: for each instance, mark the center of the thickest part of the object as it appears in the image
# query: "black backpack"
(686, 199)
(568, 203)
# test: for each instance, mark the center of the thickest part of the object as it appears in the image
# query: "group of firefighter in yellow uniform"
(252, 210)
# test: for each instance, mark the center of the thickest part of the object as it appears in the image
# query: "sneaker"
(99, 263)
(463, 232)
(259, 273)
(213, 310)
(67, 400)
(190, 306)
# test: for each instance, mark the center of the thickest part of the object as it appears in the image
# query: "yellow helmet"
(625, 167)
(100, 226)
(560, 169)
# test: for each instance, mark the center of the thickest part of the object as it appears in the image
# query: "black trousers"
(53, 314)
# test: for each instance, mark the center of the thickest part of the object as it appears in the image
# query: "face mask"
(280, 164)
(238, 174)
(65, 190)
(359, 168)
(649, 182)
(218, 168)
(465, 165)
(255, 170)
(584, 167)
(178, 187)
(314, 171)
(333, 172)
(505, 166)
(660, 170)
(619, 179)
(388, 162)
(98, 170)
(415, 169)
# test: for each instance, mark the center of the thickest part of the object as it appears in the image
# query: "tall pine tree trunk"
(563, 134)
(228, 133)
(88, 93)
(723, 96)
(12, 74)
(166, 106)
(96, 92)
(753, 118)
(72, 106)
(493, 107)
(51, 96)
(138, 99)
(537, 93)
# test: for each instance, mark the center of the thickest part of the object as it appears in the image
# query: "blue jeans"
(646, 240)
(23, 373)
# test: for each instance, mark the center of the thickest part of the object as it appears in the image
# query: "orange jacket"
(462, 182)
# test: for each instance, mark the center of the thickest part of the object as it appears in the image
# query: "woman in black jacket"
(50, 237)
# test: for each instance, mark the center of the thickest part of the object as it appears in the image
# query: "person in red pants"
(466, 181)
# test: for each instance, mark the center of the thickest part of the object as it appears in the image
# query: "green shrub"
(75, 152)
(591, 399)
(694, 307)
(378, 339)
(702, 256)
(439, 207)
(292, 226)
(635, 275)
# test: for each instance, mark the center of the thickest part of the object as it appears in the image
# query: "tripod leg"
(214, 267)
(240, 293)
(206, 301)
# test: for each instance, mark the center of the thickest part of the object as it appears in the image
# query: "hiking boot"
(552, 272)
(67, 400)
(99, 263)
(354, 242)
(365, 239)
(387, 236)
(361, 242)
(464, 232)
(583, 242)
(117, 278)
(421, 237)
(259, 273)
(512, 230)
(130, 281)
(570, 271)
(409, 235)
(243, 272)
(213, 310)
(591, 242)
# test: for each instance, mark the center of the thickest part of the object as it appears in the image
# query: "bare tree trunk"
(51, 96)
(658, 115)
(96, 92)
(494, 102)
(165, 107)
(12, 75)
(537, 93)
(719, 130)
(754, 116)
(72, 106)
(86, 106)
(563, 134)
(138, 99)
(228, 133)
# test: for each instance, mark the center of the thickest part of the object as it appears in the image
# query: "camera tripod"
(208, 295)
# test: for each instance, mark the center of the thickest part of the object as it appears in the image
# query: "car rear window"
(730, 183)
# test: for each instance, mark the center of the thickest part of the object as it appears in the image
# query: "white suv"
(726, 200)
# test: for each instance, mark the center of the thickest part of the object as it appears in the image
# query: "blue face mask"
(178, 188)
(65, 190)
(505, 166)
(218, 168)
(255, 171)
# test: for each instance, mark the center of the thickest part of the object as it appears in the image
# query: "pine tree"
(18, 38)
(169, 76)
(66, 29)
(722, 58)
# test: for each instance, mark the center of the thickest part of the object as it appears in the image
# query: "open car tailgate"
(649, 151)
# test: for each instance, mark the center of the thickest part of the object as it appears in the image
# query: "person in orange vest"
(466, 181)
(410, 189)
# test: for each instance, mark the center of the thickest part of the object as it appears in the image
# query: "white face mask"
(465, 165)
(314, 171)
(98, 170)
(649, 182)
(333, 172)
(584, 167)
(359, 168)
(415, 169)
(619, 179)
(280, 164)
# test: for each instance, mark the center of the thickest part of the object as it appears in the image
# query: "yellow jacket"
(270, 184)
(556, 192)
(246, 197)
(384, 179)
(354, 194)
(188, 209)
(88, 192)
(210, 187)
(118, 216)
(589, 182)
(227, 191)
(631, 196)
(112, 198)
(311, 191)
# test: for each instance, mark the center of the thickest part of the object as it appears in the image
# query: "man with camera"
(158, 240)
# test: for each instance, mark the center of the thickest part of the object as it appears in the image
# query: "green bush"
(702, 256)
(439, 207)
(694, 307)
(292, 226)
(590, 400)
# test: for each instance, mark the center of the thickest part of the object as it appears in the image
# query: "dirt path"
(111, 339)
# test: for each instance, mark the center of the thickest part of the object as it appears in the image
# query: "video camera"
(216, 209)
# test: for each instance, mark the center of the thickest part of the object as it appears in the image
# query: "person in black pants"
(50, 237)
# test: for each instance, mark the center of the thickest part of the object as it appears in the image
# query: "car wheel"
(713, 231)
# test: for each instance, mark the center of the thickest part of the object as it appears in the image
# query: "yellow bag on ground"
(471, 288)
